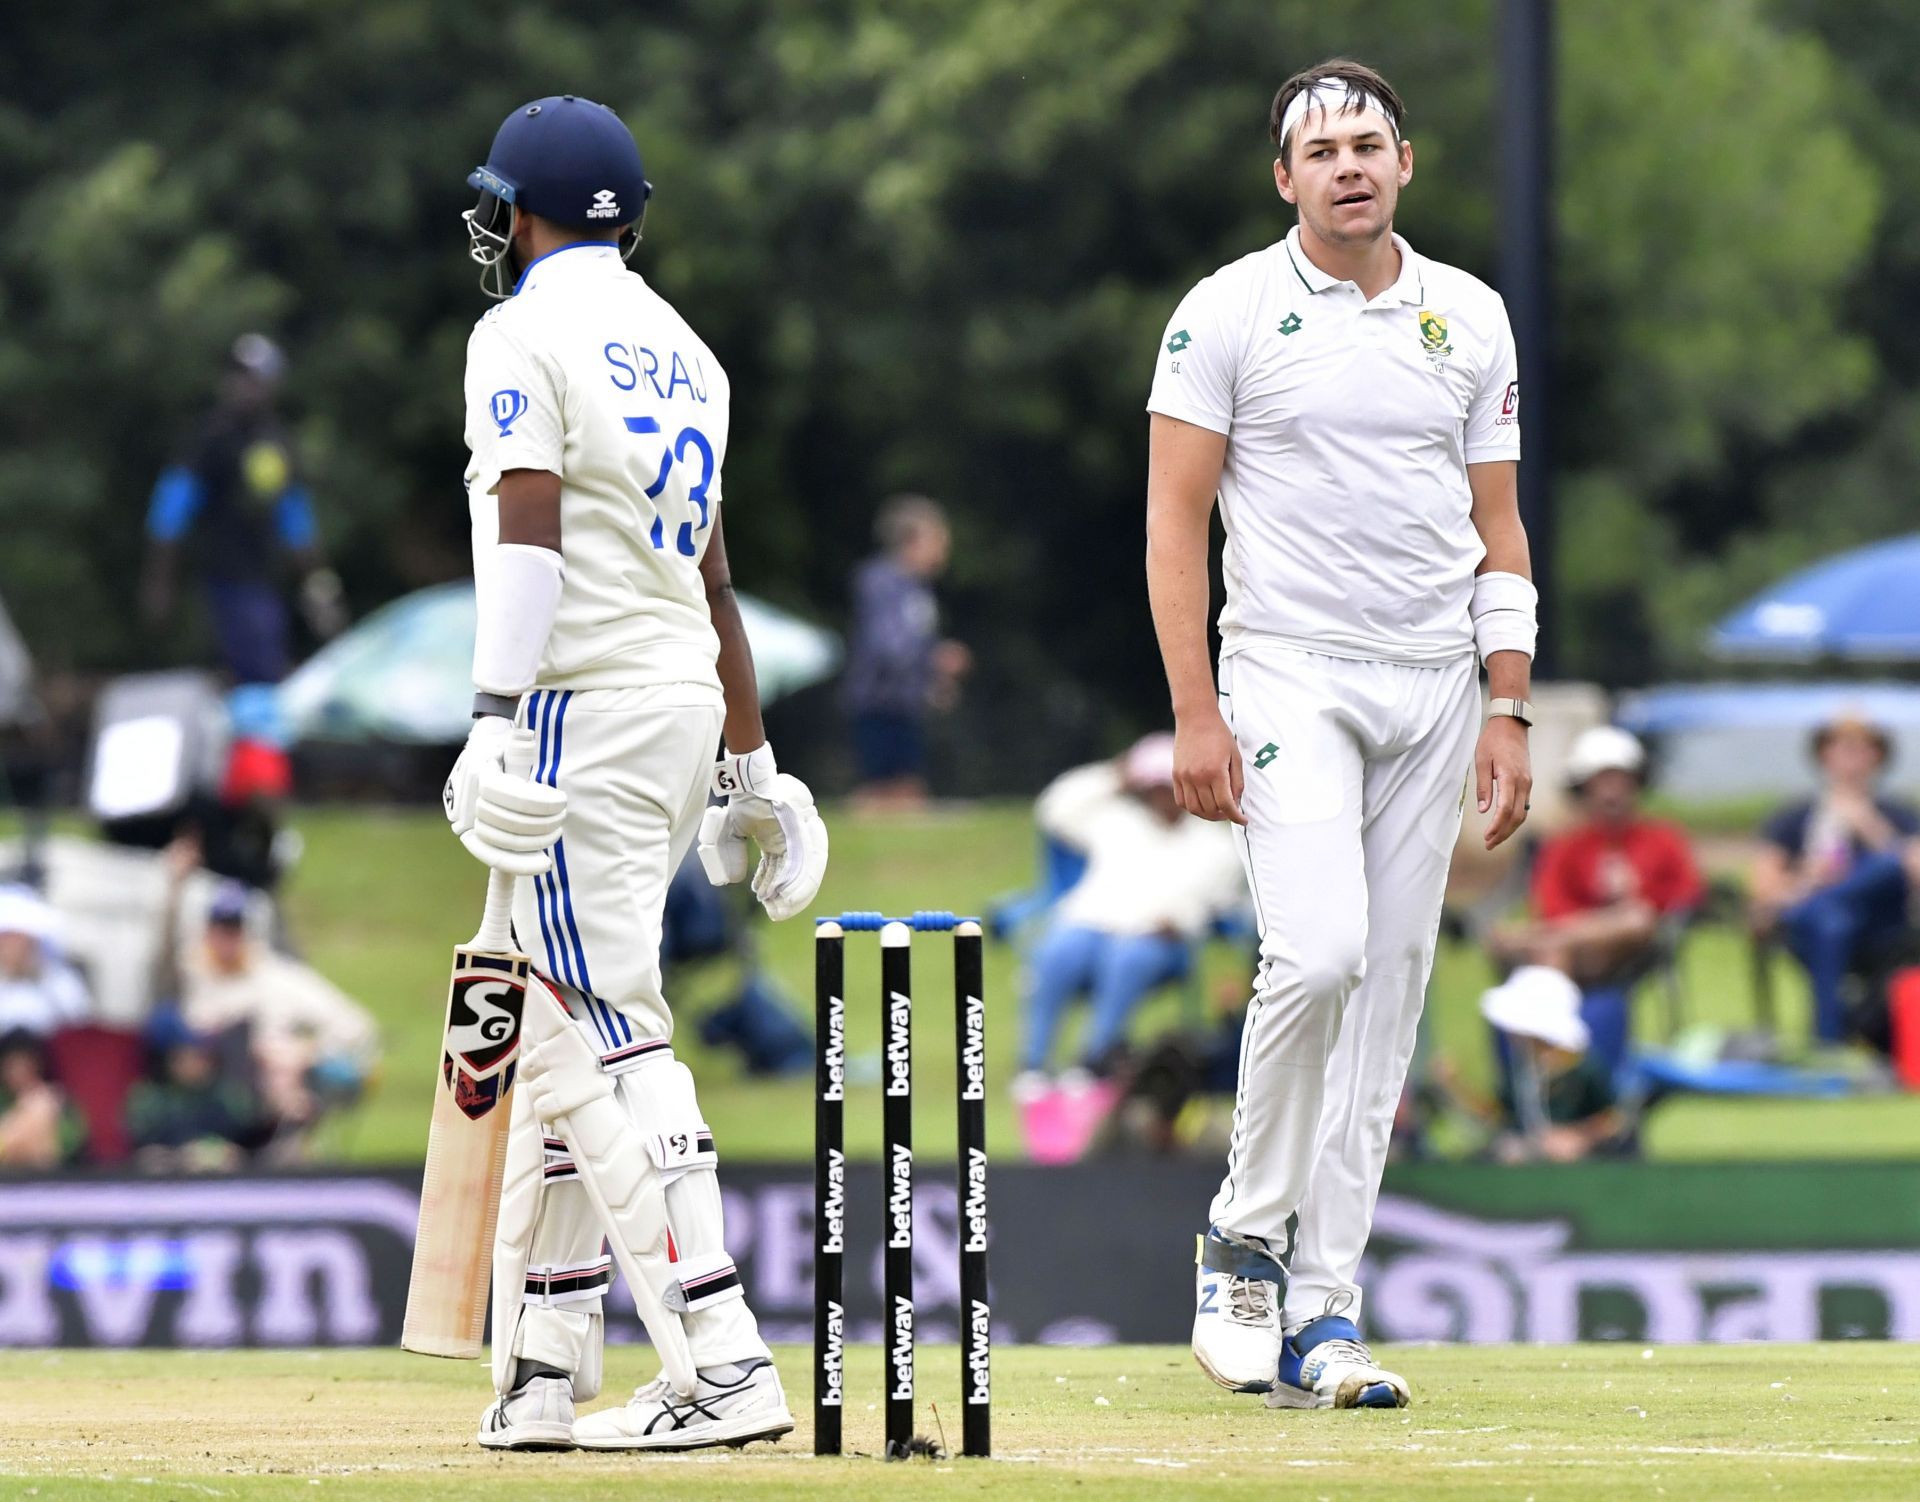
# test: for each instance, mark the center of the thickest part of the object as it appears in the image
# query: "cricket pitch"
(1564, 1422)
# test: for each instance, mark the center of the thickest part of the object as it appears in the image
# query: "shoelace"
(1249, 1301)
(1349, 1350)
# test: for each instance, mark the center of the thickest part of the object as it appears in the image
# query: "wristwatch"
(1513, 709)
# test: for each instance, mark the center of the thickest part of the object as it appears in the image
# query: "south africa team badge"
(1433, 337)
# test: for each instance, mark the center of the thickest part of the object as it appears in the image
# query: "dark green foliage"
(935, 245)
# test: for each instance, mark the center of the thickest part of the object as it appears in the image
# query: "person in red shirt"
(1602, 887)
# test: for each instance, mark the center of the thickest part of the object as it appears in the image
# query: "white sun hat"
(1605, 748)
(25, 911)
(1537, 1001)
(1149, 762)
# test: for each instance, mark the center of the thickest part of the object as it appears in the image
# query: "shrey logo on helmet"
(566, 160)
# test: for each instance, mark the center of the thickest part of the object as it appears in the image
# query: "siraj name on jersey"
(633, 363)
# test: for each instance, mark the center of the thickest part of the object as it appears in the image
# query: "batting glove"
(776, 812)
(504, 818)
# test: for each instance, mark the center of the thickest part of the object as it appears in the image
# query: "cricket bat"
(467, 1144)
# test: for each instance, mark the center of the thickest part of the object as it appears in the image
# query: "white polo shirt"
(586, 371)
(1350, 425)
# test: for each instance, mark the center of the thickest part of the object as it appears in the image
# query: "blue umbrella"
(405, 672)
(1863, 605)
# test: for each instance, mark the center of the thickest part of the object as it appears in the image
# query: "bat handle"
(496, 924)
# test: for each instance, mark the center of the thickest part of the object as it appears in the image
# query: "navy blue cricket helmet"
(566, 159)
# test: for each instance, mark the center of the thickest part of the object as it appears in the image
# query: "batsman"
(597, 422)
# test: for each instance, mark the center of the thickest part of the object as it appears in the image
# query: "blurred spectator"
(898, 667)
(193, 1114)
(237, 491)
(311, 1045)
(1602, 888)
(39, 991)
(1155, 879)
(701, 924)
(1557, 1101)
(240, 827)
(38, 1126)
(1830, 878)
(27, 752)
(16, 673)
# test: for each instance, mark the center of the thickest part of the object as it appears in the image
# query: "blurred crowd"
(231, 1049)
(153, 1006)
(1584, 933)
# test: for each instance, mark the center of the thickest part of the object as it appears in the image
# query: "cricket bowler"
(1354, 406)
(598, 424)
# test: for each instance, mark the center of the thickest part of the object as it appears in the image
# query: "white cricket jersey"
(1350, 425)
(589, 373)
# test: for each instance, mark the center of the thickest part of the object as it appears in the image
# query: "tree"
(934, 245)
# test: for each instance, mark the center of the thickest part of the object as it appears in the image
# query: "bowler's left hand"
(1503, 777)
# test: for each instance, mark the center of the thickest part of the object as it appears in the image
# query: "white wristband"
(516, 591)
(1505, 614)
(745, 776)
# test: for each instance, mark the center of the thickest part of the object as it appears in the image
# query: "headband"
(1333, 94)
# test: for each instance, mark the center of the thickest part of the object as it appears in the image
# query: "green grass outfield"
(1806, 1423)
(381, 898)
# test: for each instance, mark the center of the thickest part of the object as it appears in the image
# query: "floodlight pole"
(1525, 92)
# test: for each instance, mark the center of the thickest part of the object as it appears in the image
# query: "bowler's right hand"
(1207, 775)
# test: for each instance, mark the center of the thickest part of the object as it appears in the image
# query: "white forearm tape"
(746, 776)
(1505, 614)
(516, 591)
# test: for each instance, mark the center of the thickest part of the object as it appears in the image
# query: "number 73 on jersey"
(688, 440)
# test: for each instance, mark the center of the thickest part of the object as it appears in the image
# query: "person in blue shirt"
(1831, 878)
(237, 494)
(898, 667)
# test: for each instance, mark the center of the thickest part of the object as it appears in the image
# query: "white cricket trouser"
(1356, 775)
(635, 765)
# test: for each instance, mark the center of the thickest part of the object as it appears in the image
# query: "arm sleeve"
(177, 497)
(1554, 895)
(339, 1025)
(293, 518)
(1679, 885)
(67, 992)
(1195, 367)
(1493, 416)
(1071, 800)
(513, 405)
(1787, 829)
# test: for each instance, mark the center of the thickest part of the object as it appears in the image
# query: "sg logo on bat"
(483, 1034)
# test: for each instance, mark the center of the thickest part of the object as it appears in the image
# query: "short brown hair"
(1360, 81)
(904, 517)
(1851, 722)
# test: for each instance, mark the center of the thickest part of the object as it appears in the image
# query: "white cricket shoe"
(535, 1416)
(1236, 1329)
(1326, 1364)
(731, 1405)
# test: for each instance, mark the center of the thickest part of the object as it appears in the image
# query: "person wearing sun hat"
(1603, 887)
(1831, 878)
(1558, 1101)
(1155, 878)
(39, 991)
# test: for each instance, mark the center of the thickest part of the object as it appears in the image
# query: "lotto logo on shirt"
(1509, 406)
